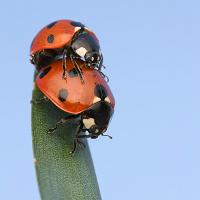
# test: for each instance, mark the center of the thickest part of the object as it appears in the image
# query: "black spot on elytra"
(100, 91)
(50, 38)
(44, 72)
(62, 95)
(77, 24)
(51, 24)
(73, 73)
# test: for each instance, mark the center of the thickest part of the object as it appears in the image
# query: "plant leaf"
(60, 175)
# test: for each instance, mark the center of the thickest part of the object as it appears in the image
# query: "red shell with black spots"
(56, 35)
(71, 95)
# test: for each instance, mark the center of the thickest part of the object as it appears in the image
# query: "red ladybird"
(66, 38)
(92, 103)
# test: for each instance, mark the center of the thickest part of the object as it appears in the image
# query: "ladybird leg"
(74, 148)
(104, 66)
(32, 59)
(78, 69)
(104, 76)
(101, 64)
(41, 100)
(64, 63)
(60, 122)
(43, 58)
(107, 136)
(76, 140)
(84, 136)
(81, 144)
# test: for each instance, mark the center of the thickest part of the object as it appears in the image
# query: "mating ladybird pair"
(67, 50)
(66, 39)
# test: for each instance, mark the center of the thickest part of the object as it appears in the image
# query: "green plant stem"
(60, 175)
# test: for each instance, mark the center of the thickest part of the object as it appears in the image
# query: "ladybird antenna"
(104, 76)
(104, 66)
(107, 79)
(64, 63)
(107, 136)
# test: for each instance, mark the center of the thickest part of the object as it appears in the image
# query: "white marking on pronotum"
(87, 29)
(81, 51)
(96, 99)
(88, 122)
(107, 99)
(77, 28)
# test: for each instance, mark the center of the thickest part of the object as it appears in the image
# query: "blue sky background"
(152, 53)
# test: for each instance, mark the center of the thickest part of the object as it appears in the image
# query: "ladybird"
(92, 103)
(64, 39)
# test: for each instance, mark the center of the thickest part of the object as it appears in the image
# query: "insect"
(90, 104)
(64, 39)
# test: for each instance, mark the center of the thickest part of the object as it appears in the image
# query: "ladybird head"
(97, 118)
(93, 128)
(87, 48)
(93, 59)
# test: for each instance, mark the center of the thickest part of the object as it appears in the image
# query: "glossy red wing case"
(55, 35)
(71, 95)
